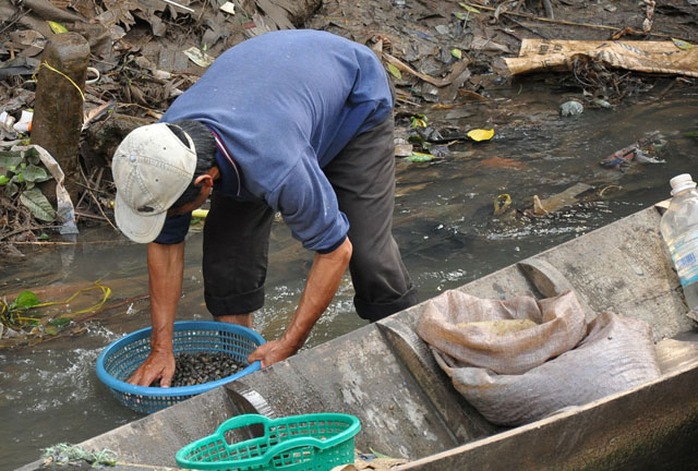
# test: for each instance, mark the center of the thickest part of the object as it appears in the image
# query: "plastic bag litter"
(520, 360)
(65, 210)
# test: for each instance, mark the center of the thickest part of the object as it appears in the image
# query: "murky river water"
(443, 221)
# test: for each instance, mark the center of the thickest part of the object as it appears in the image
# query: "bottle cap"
(681, 182)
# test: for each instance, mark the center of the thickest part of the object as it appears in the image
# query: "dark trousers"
(236, 236)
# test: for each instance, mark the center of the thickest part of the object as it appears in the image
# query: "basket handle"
(298, 442)
(240, 421)
(246, 420)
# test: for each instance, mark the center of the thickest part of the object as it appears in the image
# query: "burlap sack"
(506, 337)
(616, 354)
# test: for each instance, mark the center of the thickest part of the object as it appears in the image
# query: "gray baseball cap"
(151, 168)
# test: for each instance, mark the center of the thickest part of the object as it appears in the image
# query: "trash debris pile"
(645, 150)
(27, 320)
(440, 55)
(137, 66)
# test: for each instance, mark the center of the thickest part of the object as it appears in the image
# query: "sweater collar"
(237, 178)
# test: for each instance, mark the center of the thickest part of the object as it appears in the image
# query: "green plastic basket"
(311, 442)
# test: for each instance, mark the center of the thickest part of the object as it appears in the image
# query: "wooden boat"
(387, 377)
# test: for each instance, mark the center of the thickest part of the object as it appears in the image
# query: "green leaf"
(418, 157)
(34, 173)
(10, 160)
(57, 28)
(469, 8)
(4, 180)
(32, 156)
(457, 53)
(681, 44)
(37, 203)
(25, 300)
(11, 189)
(419, 121)
(394, 71)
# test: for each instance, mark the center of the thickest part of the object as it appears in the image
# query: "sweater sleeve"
(175, 229)
(309, 207)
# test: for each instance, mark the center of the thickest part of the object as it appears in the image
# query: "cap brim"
(135, 226)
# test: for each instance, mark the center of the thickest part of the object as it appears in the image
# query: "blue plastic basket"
(121, 358)
(310, 442)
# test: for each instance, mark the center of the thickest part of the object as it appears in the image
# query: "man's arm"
(165, 269)
(324, 278)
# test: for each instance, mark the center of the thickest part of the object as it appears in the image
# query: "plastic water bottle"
(679, 228)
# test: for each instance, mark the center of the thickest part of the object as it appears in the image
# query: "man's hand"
(165, 269)
(324, 278)
(159, 365)
(272, 352)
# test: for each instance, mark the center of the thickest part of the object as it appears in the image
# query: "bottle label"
(684, 253)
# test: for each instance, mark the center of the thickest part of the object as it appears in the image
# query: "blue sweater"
(284, 104)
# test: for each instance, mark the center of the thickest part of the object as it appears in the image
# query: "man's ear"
(204, 180)
(208, 178)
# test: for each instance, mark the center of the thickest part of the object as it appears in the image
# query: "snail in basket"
(202, 367)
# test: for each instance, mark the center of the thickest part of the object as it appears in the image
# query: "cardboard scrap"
(663, 57)
(560, 200)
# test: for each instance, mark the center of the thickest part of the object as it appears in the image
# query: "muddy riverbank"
(447, 60)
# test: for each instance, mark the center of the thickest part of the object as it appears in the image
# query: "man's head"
(155, 169)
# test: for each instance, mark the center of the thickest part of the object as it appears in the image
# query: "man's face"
(194, 204)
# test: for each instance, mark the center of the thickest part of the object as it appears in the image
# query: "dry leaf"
(199, 57)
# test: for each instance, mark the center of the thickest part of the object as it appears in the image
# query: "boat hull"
(387, 377)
